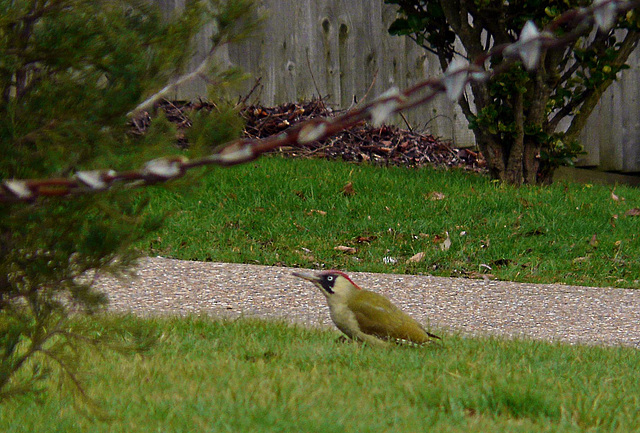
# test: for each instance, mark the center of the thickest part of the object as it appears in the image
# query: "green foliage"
(564, 88)
(217, 126)
(249, 375)
(70, 71)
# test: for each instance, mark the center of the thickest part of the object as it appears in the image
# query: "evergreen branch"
(67, 369)
(148, 103)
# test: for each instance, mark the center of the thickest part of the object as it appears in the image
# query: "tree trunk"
(492, 152)
(515, 161)
(515, 164)
(531, 164)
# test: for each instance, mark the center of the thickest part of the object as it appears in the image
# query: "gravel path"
(540, 311)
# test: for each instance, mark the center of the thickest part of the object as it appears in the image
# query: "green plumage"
(377, 316)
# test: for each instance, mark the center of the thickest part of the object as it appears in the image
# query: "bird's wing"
(377, 316)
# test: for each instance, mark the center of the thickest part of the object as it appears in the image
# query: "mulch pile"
(384, 145)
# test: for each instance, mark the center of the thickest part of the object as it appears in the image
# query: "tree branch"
(593, 96)
(458, 17)
(566, 110)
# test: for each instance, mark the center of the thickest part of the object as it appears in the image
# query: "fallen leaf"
(435, 195)
(444, 246)
(319, 212)
(615, 197)
(481, 275)
(594, 240)
(612, 220)
(348, 189)
(299, 227)
(501, 262)
(347, 250)
(416, 258)
(367, 239)
(633, 212)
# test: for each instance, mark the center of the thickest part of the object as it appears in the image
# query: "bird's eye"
(330, 278)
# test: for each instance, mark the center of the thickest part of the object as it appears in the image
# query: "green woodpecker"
(364, 315)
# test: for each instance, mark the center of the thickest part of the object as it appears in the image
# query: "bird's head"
(331, 283)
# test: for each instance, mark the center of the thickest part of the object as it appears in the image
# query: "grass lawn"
(295, 212)
(207, 375)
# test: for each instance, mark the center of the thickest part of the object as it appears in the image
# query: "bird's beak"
(309, 277)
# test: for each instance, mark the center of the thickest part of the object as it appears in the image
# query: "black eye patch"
(327, 282)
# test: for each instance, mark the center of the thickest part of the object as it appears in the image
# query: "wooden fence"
(341, 49)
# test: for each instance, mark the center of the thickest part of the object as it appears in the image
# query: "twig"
(373, 81)
(244, 100)
(312, 77)
(406, 121)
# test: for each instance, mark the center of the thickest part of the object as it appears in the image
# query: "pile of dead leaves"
(384, 145)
